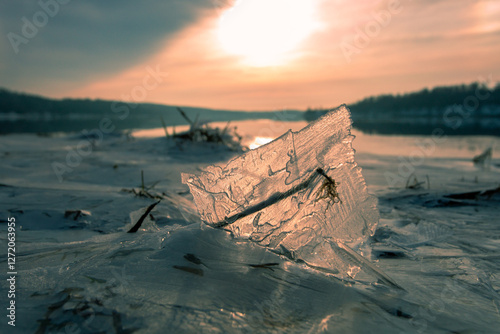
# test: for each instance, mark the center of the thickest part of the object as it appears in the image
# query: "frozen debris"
(191, 270)
(138, 224)
(475, 195)
(193, 258)
(76, 214)
(413, 183)
(202, 132)
(144, 193)
(265, 265)
(302, 196)
(483, 160)
(72, 312)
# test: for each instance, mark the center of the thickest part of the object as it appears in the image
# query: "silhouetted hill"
(457, 110)
(28, 113)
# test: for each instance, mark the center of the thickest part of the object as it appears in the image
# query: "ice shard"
(301, 195)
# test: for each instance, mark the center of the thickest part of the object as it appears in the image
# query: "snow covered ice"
(301, 195)
(84, 273)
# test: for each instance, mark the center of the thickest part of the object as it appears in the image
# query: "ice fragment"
(301, 195)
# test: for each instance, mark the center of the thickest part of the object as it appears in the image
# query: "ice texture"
(277, 196)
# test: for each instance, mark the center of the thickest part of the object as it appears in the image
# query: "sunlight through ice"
(301, 196)
(259, 141)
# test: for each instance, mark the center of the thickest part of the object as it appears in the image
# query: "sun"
(266, 32)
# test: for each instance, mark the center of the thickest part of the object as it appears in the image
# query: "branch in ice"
(328, 188)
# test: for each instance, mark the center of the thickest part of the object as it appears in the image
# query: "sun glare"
(259, 141)
(487, 16)
(264, 32)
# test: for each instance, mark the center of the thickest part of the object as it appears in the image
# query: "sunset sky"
(246, 54)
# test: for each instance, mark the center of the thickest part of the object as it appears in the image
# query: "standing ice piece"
(302, 195)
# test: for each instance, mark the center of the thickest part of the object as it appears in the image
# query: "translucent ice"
(302, 196)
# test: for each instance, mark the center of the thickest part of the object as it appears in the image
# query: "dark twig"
(331, 192)
(183, 114)
(265, 265)
(137, 225)
(328, 190)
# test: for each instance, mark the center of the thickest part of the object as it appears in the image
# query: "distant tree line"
(412, 113)
(25, 103)
(21, 112)
(436, 98)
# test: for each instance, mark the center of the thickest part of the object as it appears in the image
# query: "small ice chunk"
(301, 195)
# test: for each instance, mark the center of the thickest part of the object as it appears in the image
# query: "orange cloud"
(417, 46)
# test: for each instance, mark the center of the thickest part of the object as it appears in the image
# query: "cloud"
(102, 51)
(87, 40)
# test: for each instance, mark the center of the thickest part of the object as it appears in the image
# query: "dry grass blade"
(201, 132)
(183, 114)
(164, 127)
